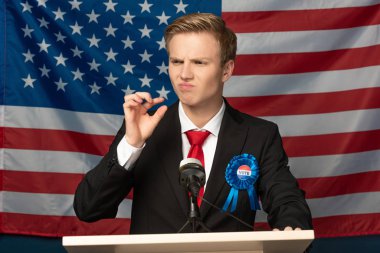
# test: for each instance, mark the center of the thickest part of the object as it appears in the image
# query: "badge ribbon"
(241, 174)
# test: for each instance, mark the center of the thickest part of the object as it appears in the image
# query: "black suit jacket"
(160, 204)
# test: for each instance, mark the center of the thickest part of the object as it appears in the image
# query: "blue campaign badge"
(241, 174)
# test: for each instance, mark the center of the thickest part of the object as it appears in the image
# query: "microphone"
(192, 175)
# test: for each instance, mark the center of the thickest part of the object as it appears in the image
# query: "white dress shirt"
(127, 154)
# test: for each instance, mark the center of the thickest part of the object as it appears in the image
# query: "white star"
(28, 81)
(77, 74)
(94, 41)
(43, 46)
(94, 65)
(161, 43)
(145, 81)
(111, 79)
(110, 30)
(43, 22)
(110, 5)
(128, 90)
(163, 68)
(95, 88)
(145, 6)
(75, 5)
(77, 52)
(93, 17)
(59, 14)
(44, 71)
(163, 93)
(111, 55)
(145, 56)
(60, 37)
(42, 3)
(60, 85)
(181, 7)
(128, 67)
(60, 60)
(26, 7)
(128, 43)
(163, 19)
(27, 31)
(128, 18)
(145, 32)
(76, 28)
(28, 56)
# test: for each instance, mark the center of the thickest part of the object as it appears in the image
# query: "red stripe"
(41, 182)
(329, 144)
(339, 185)
(342, 225)
(299, 104)
(347, 225)
(291, 63)
(301, 20)
(57, 226)
(57, 140)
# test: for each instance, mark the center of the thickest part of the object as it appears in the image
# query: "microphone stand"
(194, 218)
(192, 177)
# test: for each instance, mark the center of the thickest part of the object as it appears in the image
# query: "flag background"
(310, 66)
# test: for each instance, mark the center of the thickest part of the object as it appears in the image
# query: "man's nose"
(186, 71)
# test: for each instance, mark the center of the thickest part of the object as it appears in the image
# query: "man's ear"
(227, 70)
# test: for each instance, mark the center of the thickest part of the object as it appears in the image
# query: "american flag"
(310, 66)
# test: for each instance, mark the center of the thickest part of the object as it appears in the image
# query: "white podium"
(238, 242)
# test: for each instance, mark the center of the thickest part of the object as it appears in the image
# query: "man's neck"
(201, 115)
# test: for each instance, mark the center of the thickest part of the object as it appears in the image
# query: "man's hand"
(139, 124)
(287, 229)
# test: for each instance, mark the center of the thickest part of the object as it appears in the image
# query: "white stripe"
(301, 167)
(327, 123)
(49, 161)
(260, 5)
(47, 118)
(61, 205)
(335, 165)
(304, 83)
(307, 41)
(49, 204)
(358, 203)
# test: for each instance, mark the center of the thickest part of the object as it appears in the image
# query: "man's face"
(195, 69)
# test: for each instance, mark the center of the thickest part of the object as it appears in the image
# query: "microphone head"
(190, 160)
(191, 172)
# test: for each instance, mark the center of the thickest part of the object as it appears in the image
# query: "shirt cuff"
(127, 155)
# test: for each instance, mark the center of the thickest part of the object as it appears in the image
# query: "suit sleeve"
(281, 197)
(102, 189)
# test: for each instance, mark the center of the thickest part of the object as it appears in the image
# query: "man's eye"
(176, 62)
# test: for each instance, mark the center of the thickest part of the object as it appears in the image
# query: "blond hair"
(205, 22)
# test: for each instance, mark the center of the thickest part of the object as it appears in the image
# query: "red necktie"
(196, 139)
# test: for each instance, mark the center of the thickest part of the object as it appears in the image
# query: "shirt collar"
(213, 126)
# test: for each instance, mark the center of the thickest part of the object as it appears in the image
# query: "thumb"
(159, 114)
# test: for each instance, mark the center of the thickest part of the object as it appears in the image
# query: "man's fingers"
(288, 228)
(157, 116)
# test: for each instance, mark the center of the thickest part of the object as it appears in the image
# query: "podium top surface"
(263, 241)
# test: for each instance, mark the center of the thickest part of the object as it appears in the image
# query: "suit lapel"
(231, 141)
(170, 153)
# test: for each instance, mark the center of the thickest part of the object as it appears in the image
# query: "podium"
(237, 242)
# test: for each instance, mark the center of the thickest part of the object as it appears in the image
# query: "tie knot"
(197, 137)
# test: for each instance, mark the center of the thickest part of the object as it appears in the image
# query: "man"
(148, 148)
